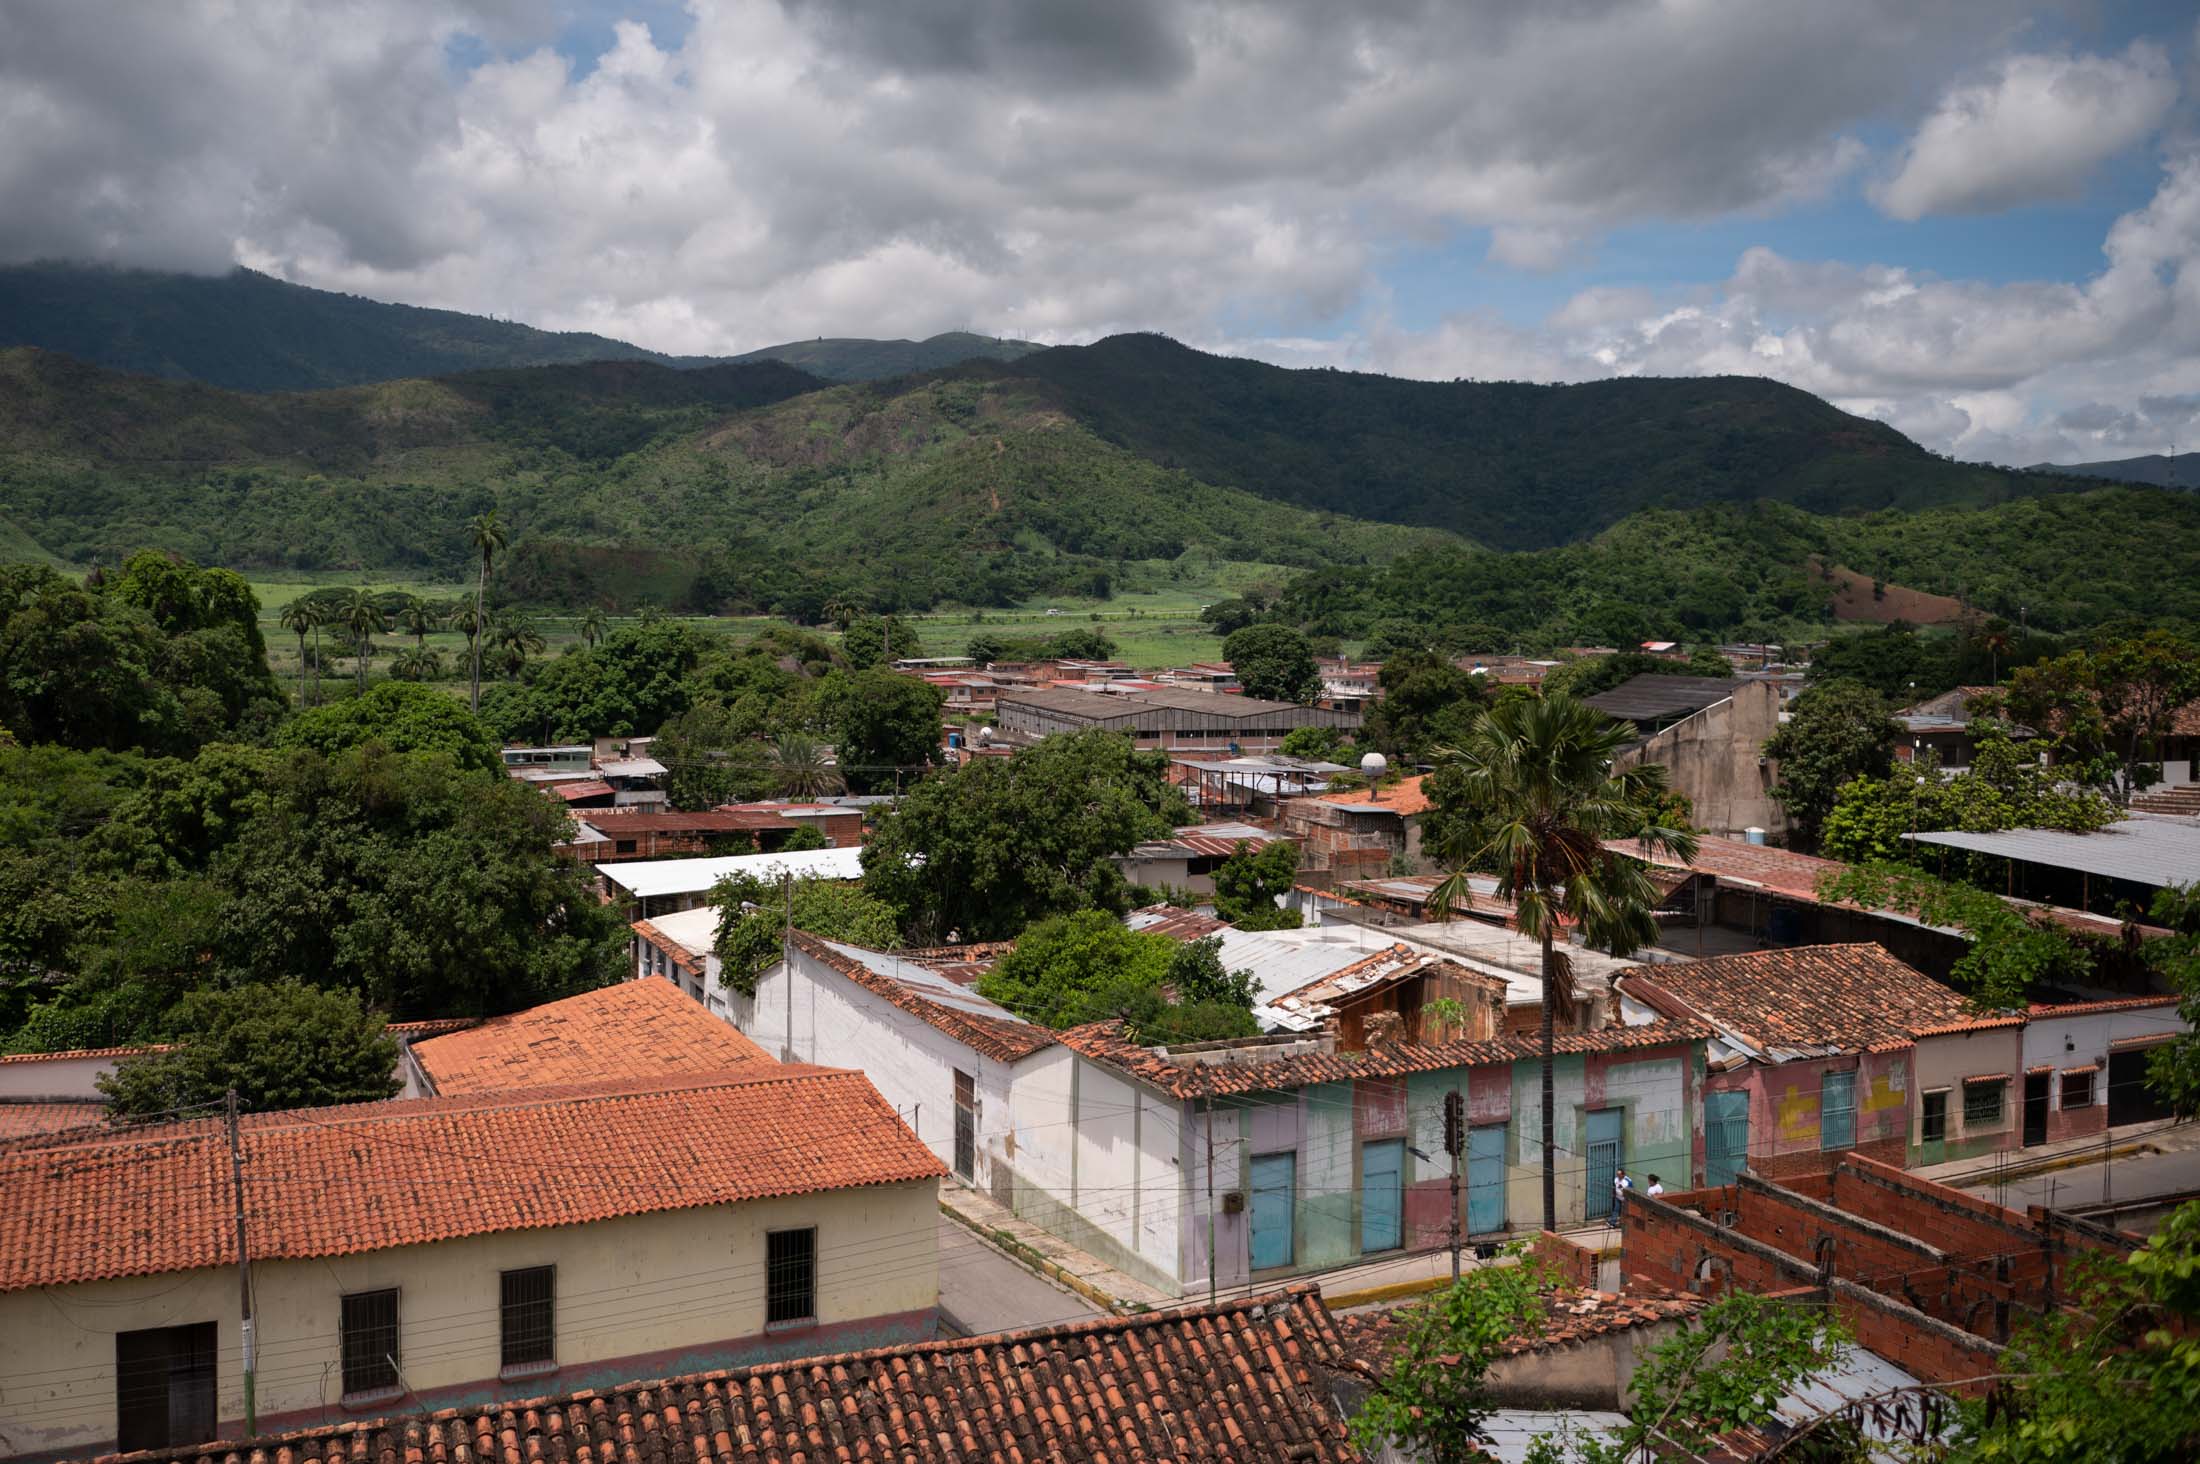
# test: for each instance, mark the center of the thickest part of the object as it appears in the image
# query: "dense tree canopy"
(886, 726)
(626, 686)
(286, 1045)
(2004, 788)
(1836, 732)
(1249, 883)
(1427, 703)
(1088, 967)
(402, 717)
(1274, 663)
(753, 916)
(980, 851)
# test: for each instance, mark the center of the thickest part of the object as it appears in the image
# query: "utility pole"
(1455, 1143)
(244, 1264)
(1210, 1199)
(786, 957)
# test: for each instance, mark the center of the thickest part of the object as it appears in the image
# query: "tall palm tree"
(486, 532)
(362, 614)
(1538, 778)
(298, 617)
(515, 635)
(594, 625)
(420, 619)
(840, 613)
(800, 770)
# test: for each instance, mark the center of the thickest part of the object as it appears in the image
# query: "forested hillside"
(2068, 562)
(1507, 464)
(740, 486)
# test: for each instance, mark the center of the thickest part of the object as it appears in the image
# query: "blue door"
(1382, 1194)
(1604, 1160)
(1275, 1190)
(1725, 1137)
(1837, 1111)
(1485, 1179)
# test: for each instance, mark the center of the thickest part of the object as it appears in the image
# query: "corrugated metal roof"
(2148, 851)
(646, 878)
(926, 982)
(1650, 696)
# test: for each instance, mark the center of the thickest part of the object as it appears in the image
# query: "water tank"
(1373, 766)
(1753, 836)
(985, 735)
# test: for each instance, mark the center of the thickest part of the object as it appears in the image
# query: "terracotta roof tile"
(675, 952)
(1847, 998)
(634, 1029)
(1246, 1379)
(366, 1177)
(1003, 1037)
(1243, 1070)
(19, 1120)
(77, 1053)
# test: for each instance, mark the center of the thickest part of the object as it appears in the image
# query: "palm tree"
(594, 623)
(515, 635)
(800, 769)
(420, 618)
(1996, 640)
(417, 663)
(299, 617)
(840, 613)
(1538, 776)
(362, 614)
(485, 531)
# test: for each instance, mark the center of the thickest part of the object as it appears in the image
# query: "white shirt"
(1655, 1188)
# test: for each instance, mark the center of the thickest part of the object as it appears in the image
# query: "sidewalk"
(2005, 1165)
(1055, 1258)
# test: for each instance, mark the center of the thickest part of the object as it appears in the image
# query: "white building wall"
(836, 1023)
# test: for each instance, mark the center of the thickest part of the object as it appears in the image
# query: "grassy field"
(1153, 626)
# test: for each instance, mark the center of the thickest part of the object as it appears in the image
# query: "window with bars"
(790, 1275)
(1837, 1111)
(2077, 1090)
(1982, 1103)
(528, 1308)
(370, 1341)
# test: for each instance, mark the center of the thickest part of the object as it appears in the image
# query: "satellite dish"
(1373, 766)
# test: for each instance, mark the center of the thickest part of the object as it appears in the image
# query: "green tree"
(805, 838)
(630, 685)
(1894, 661)
(301, 616)
(1536, 778)
(487, 534)
(2002, 789)
(594, 625)
(419, 619)
(1837, 731)
(2112, 1376)
(364, 618)
(1315, 744)
(1089, 967)
(981, 851)
(1586, 676)
(1274, 663)
(1426, 702)
(985, 648)
(711, 757)
(1709, 661)
(285, 1045)
(2173, 1069)
(400, 716)
(416, 663)
(753, 916)
(800, 769)
(1251, 880)
(2013, 954)
(517, 636)
(885, 726)
(874, 640)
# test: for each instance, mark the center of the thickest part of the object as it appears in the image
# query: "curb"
(1390, 1291)
(1023, 1255)
(1987, 1178)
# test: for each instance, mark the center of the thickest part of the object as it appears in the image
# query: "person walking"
(1621, 1184)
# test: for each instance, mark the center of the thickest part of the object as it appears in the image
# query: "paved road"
(982, 1290)
(2078, 1187)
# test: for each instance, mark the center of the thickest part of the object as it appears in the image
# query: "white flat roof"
(647, 878)
(694, 931)
(2144, 850)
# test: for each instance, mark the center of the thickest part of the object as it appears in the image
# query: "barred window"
(790, 1275)
(370, 1341)
(1982, 1103)
(529, 1311)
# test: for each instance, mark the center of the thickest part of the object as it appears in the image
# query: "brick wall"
(1577, 1263)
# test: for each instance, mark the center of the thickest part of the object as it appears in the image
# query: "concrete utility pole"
(1210, 1199)
(1455, 1134)
(244, 1264)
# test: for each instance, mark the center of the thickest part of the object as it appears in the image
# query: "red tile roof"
(1002, 1038)
(75, 1053)
(587, 788)
(366, 1177)
(675, 952)
(432, 1026)
(1848, 998)
(1244, 1380)
(20, 1120)
(646, 1028)
(1245, 1070)
(2089, 1008)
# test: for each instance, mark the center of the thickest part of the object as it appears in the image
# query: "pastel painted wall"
(645, 1296)
(1786, 1107)
(1942, 1064)
(2062, 1042)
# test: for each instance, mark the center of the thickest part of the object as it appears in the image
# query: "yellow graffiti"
(1883, 1095)
(1797, 1114)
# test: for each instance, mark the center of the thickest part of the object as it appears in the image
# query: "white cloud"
(2031, 131)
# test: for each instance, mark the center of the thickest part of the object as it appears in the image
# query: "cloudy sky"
(1977, 219)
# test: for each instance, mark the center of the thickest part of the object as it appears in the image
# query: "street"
(2175, 1170)
(982, 1290)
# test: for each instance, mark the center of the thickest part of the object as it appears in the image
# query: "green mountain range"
(249, 332)
(2157, 469)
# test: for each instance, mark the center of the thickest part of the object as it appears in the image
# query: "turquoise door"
(1485, 1179)
(1382, 1194)
(1725, 1136)
(1275, 1191)
(1604, 1160)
